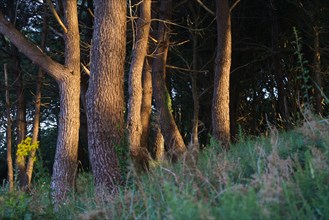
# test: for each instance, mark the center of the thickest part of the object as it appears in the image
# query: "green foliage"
(304, 73)
(280, 176)
(25, 147)
(14, 205)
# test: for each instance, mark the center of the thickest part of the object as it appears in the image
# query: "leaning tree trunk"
(68, 78)
(220, 103)
(134, 120)
(105, 95)
(172, 137)
(8, 133)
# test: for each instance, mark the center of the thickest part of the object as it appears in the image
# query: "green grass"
(278, 176)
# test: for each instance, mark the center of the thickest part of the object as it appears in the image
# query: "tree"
(220, 103)
(68, 78)
(134, 122)
(172, 137)
(105, 95)
(8, 136)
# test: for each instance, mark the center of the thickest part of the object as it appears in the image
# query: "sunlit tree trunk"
(220, 103)
(146, 109)
(172, 137)
(65, 164)
(105, 95)
(8, 133)
(135, 127)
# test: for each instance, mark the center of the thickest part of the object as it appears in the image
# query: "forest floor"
(282, 175)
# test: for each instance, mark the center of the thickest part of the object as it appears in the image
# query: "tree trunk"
(194, 77)
(65, 164)
(135, 126)
(146, 103)
(172, 137)
(220, 103)
(279, 76)
(317, 74)
(8, 136)
(105, 95)
(20, 115)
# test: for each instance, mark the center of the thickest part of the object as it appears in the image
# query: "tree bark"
(220, 103)
(134, 120)
(317, 73)
(20, 114)
(172, 137)
(105, 95)
(9, 130)
(146, 103)
(65, 164)
(194, 77)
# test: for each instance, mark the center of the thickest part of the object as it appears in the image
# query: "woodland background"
(278, 84)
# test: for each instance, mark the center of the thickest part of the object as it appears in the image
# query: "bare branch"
(206, 8)
(234, 4)
(59, 20)
(35, 54)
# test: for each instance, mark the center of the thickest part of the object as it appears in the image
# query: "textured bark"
(220, 103)
(135, 127)
(68, 78)
(172, 137)
(36, 121)
(105, 95)
(8, 133)
(159, 146)
(65, 164)
(146, 103)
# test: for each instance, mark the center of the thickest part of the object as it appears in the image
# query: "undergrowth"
(278, 176)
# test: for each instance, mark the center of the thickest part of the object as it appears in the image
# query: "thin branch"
(59, 20)
(185, 69)
(206, 8)
(234, 4)
(87, 71)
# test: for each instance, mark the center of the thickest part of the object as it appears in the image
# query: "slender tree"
(105, 95)
(9, 130)
(172, 137)
(135, 123)
(220, 103)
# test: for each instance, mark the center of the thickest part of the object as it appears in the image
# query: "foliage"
(278, 176)
(25, 147)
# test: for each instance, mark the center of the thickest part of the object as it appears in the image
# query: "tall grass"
(281, 176)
